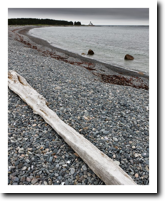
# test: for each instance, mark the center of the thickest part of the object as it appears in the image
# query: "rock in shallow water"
(90, 52)
(128, 57)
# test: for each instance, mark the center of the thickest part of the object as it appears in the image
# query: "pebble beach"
(115, 118)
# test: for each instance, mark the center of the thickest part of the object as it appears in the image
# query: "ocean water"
(109, 43)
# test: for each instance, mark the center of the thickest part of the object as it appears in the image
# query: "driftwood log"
(101, 164)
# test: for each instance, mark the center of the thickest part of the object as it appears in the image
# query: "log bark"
(101, 164)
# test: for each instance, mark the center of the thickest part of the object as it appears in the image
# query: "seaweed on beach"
(121, 80)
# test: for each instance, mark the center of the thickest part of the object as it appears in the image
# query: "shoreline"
(114, 118)
(115, 69)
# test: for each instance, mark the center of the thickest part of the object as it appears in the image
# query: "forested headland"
(35, 21)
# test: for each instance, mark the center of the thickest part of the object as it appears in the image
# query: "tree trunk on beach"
(101, 164)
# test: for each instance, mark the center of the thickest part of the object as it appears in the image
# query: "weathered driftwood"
(101, 164)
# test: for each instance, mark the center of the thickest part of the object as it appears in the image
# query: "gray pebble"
(72, 170)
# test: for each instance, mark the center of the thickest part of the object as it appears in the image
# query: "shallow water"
(109, 43)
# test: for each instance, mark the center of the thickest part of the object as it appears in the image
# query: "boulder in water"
(128, 57)
(90, 52)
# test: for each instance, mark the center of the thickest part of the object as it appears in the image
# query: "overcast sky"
(98, 16)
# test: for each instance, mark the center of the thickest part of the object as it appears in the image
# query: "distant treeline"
(35, 21)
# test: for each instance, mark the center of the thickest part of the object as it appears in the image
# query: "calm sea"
(109, 43)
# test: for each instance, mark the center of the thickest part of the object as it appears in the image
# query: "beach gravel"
(114, 118)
